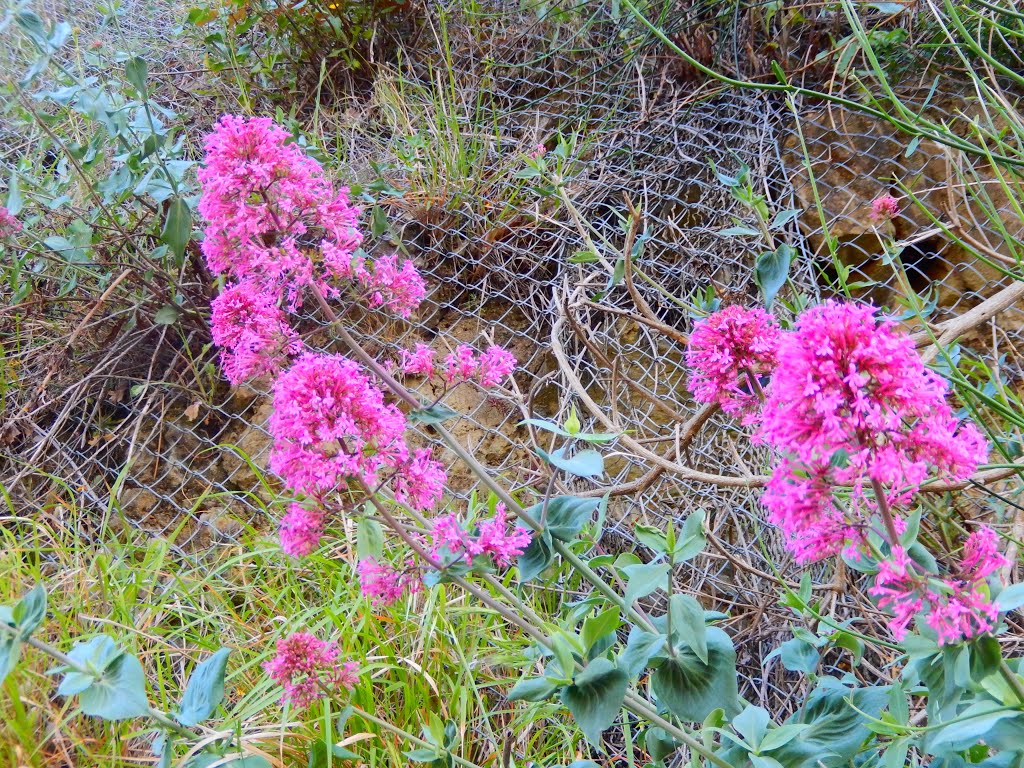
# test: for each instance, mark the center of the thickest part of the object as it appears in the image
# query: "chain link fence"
(186, 460)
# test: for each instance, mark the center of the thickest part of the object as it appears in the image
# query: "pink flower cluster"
(495, 538)
(304, 666)
(884, 207)
(331, 424)
(9, 225)
(958, 608)
(852, 405)
(726, 351)
(488, 369)
(269, 209)
(301, 529)
(276, 226)
(383, 583)
(252, 332)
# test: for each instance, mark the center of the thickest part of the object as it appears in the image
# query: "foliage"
(609, 639)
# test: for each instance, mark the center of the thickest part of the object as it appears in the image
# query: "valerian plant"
(856, 422)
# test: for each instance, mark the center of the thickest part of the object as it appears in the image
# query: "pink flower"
(488, 369)
(501, 541)
(800, 502)
(301, 529)
(495, 538)
(495, 364)
(399, 287)
(9, 225)
(269, 208)
(305, 665)
(958, 608)
(460, 365)
(538, 151)
(851, 404)
(884, 207)
(420, 481)
(981, 555)
(330, 423)
(897, 590)
(419, 362)
(253, 332)
(449, 537)
(382, 583)
(962, 614)
(725, 350)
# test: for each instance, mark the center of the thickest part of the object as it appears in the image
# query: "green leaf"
(763, 761)
(536, 558)
(640, 647)
(752, 723)
(784, 217)
(15, 201)
(739, 231)
(888, 8)
(771, 271)
(135, 73)
(692, 689)
(378, 221)
(435, 414)
(10, 651)
(1010, 598)
(644, 579)
(532, 689)
(652, 538)
(586, 463)
(691, 539)
(319, 751)
(799, 656)
(688, 624)
(166, 315)
(177, 226)
(119, 694)
(422, 755)
(781, 736)
(205, 689)
(583, 257)
(369, 538)
(205, 760)
(566, 515)
(659, 744)
(975, 721)
(852, 643)
(836, 730)
(30, 611)
(117, 689)
(595, 697)
(599, 627)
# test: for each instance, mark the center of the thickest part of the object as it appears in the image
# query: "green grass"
(435, 653)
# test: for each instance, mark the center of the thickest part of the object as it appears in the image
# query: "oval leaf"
(205, 689)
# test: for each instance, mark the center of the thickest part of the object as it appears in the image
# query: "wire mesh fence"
(498, 259)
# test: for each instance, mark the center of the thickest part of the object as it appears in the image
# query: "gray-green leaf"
(690, 688)
(205, 689)
(595, 697)
(642, 580)
(771, 271)
(177, 226)
(30, 611)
